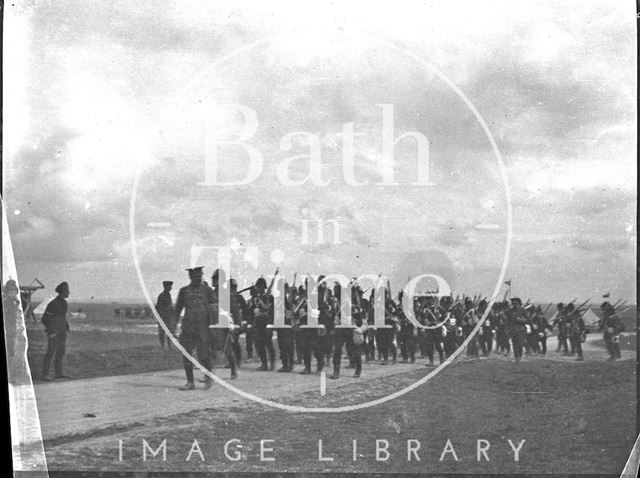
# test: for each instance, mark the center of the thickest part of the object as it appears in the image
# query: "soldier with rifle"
(342, 336)
(516, 322)
(433, 315)
(260, 309)
(560, 322)
(469, 321)
(577, 330)
(540, 327)
(285, 336)
(406, 336)
(485, 334)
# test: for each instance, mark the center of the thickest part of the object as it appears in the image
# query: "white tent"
(590, 318)
(39, 311)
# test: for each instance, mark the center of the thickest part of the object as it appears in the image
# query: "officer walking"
(164, 306)
(197, 300)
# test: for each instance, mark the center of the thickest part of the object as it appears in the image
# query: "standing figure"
(516, 325)
(485, 334)
(342, 336)
(406, 336)
(285, 336)
(433, 315)
(451, 332)
(198, 301)
(261, 312)
(540, 327)
(531, 341)
(560, 322)
(56, 326)
(611, 327)
(359, 333)
(577, 331)
(164, 306)
(469, 321)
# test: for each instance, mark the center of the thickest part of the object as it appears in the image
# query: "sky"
(102, 96)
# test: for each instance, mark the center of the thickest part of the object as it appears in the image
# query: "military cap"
(194, 269)
(261, 282)
(62, 286)
(515, 300)
(167, 282)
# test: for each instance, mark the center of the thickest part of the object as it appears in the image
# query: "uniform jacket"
(54, 318)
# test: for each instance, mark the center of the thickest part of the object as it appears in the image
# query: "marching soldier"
(540, 327)
(197, 300)
(304, 336)
(485, 334)
(164, 306)
(451, 335)
(433, 335)
(502, 334)
(561, 323)
(516, 321)
(531, 340)
(322, 341)
(285, 336)
(359, 342)
(261, 312)
(469, 321)
(611, 327)
(577, 331)
(406, 336)
(341, 337)
(231, 347)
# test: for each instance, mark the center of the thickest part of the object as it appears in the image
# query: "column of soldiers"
(447, 323)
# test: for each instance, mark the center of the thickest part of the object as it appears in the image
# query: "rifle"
(295, 276)
(583, 304)
(273, 279)
(619, 302)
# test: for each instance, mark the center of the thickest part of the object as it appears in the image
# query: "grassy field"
(575, 418)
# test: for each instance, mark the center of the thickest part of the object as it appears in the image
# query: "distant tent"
(590, 318)
(39, 311)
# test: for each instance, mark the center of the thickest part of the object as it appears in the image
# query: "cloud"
(104, 94)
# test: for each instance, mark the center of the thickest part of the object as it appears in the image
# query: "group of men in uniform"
(446, 323)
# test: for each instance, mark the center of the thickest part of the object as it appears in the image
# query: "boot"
(272, 366)
(306, 371)
(187, 386)
(208, 383)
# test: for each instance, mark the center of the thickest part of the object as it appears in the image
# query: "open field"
(575, 418)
